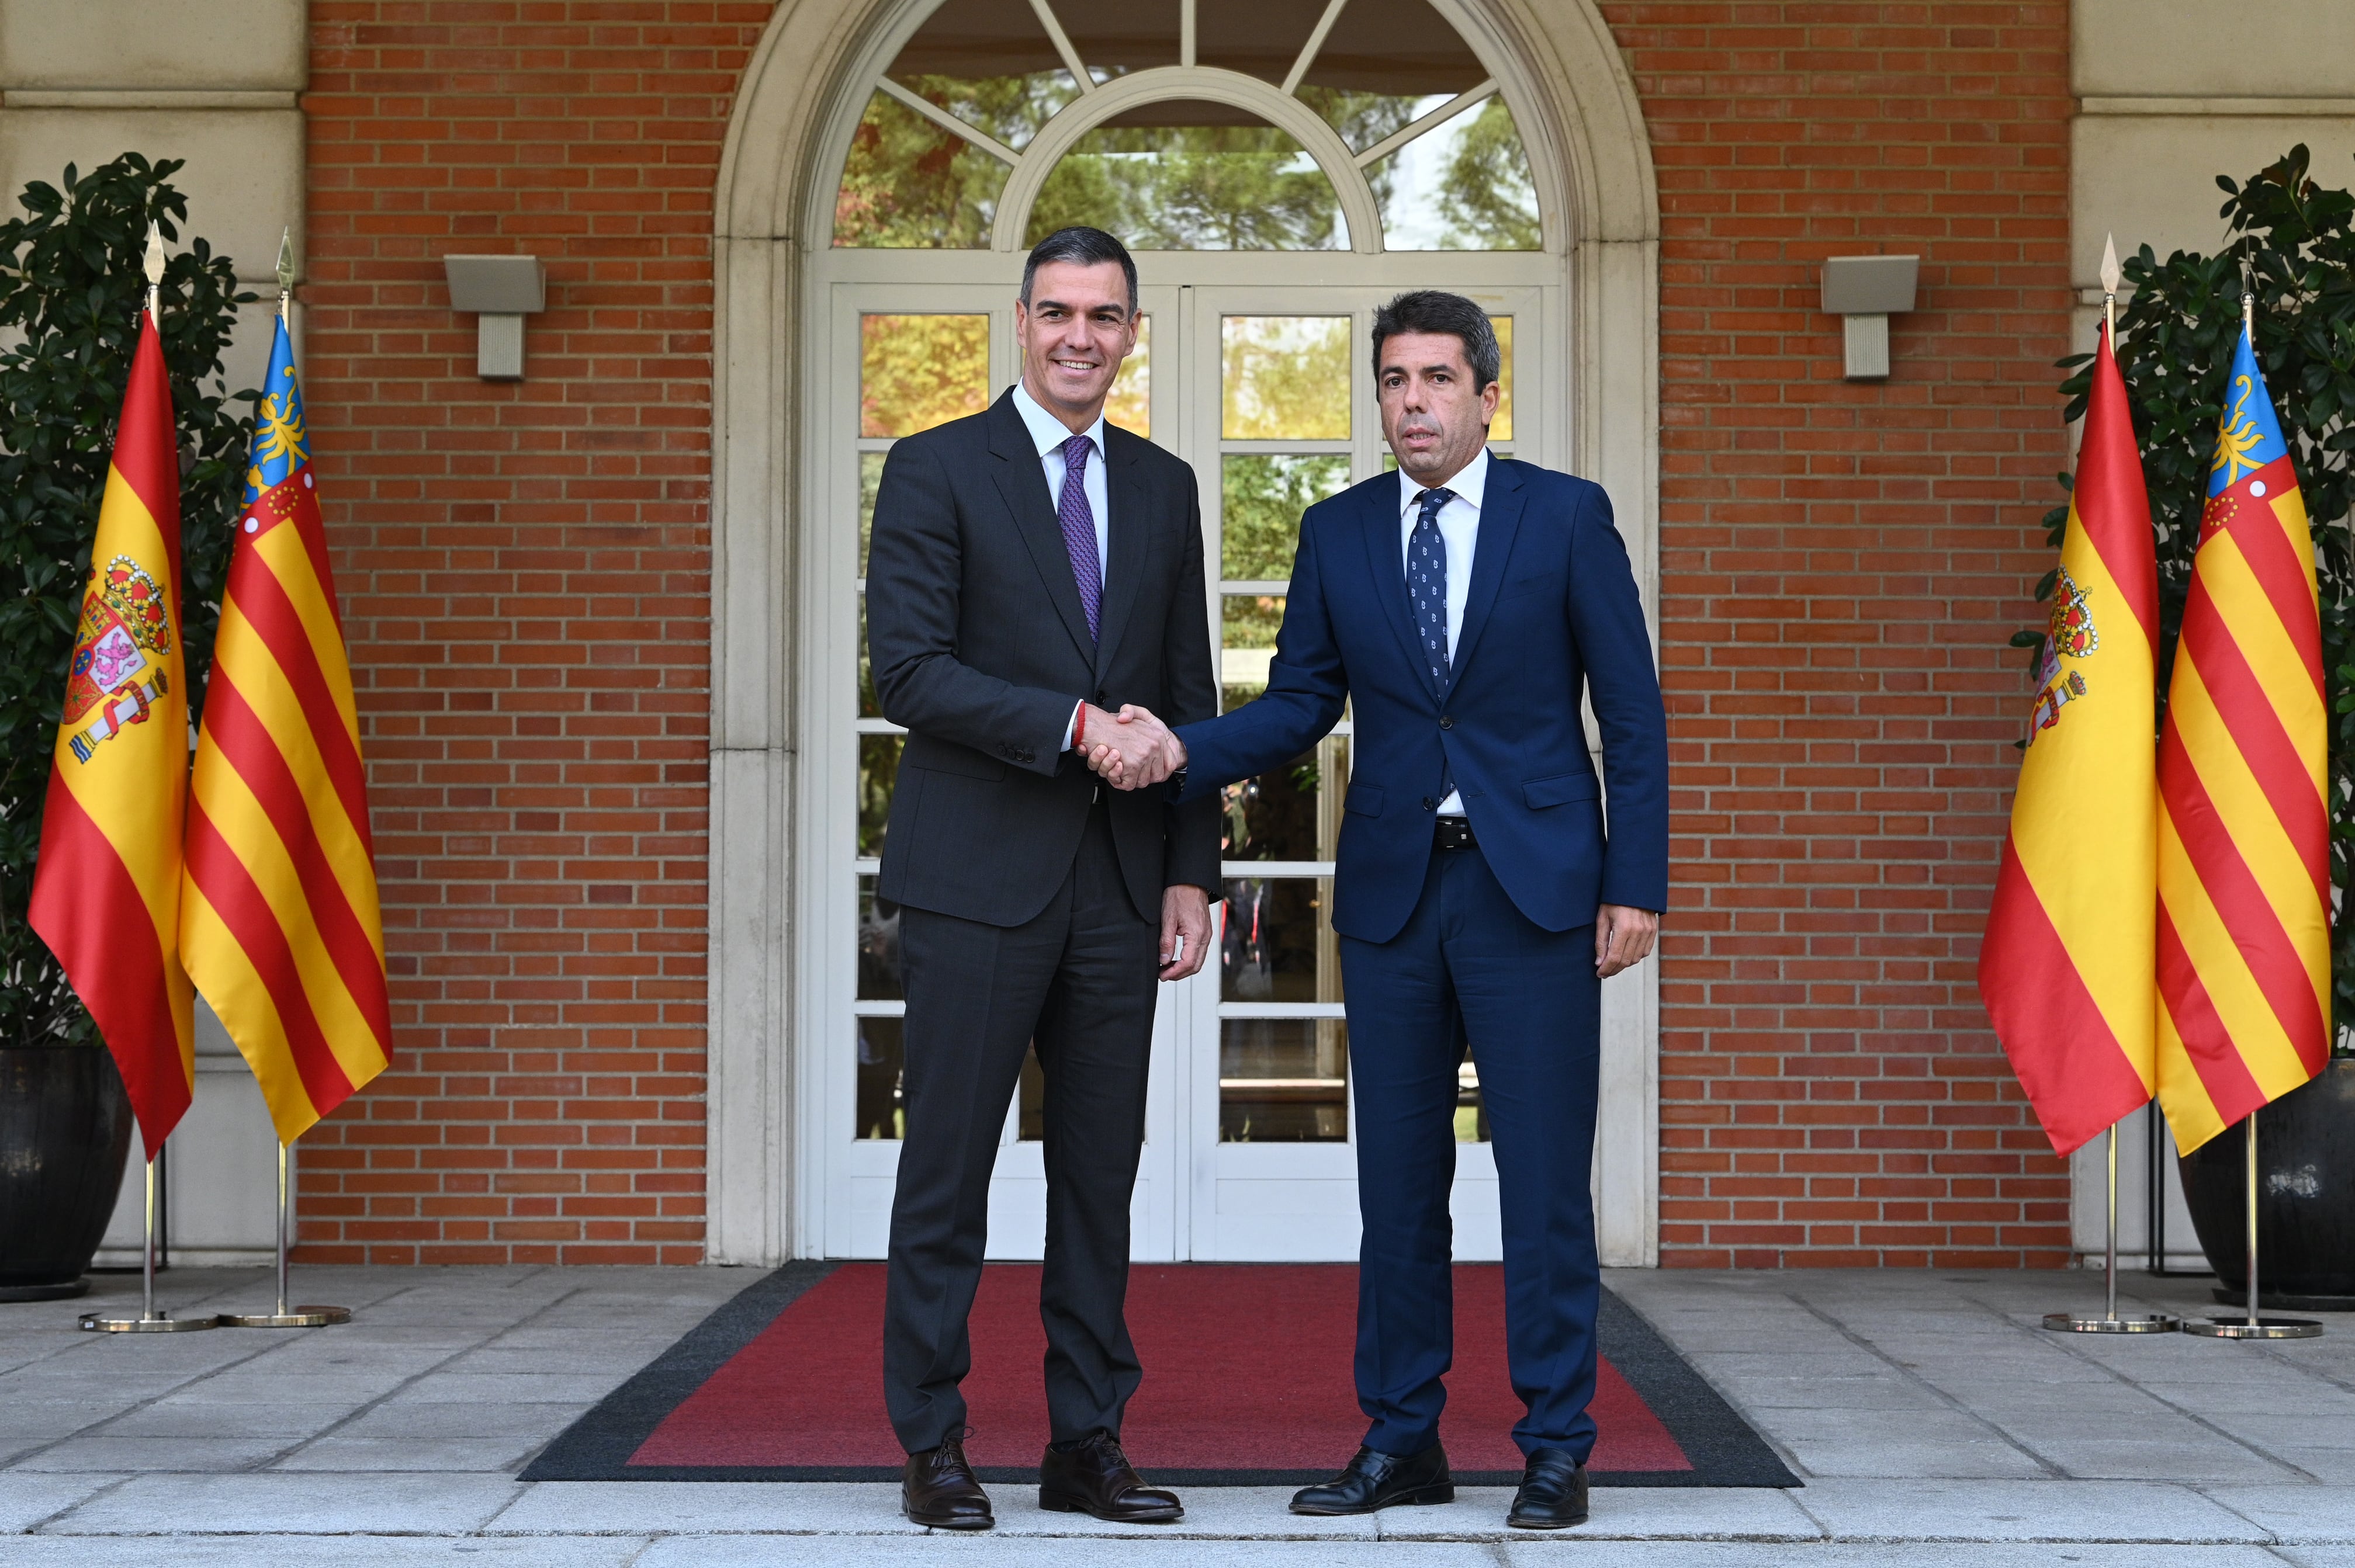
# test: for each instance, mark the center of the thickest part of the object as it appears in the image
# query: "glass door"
(918, 356)
(1278, 392)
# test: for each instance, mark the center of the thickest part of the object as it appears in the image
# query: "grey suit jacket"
(980, 647)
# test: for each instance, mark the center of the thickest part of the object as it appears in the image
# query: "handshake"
(1131, 750)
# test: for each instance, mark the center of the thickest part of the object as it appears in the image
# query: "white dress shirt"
(1459, 531)
(1049, 433)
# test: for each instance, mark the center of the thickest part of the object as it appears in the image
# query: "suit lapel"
(1127, 535)
(1386, 555)
(1023, 484)
(1500, 520)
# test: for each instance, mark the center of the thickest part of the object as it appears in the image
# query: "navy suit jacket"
(1553, 613)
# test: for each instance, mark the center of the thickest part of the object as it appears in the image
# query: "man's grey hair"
(1430, 311)
(1087, 247)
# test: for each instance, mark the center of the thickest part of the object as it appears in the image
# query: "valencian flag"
(278, 912)
(106, 893)
(2066, 968)
(2243, 844)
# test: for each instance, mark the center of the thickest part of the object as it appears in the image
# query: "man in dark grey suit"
(1033, 570)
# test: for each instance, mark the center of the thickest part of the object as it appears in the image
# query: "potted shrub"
(71, 286)
(2294, 241)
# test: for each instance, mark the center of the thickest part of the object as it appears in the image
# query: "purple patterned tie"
(1080, 528)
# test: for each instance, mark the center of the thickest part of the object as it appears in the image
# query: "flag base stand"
(2254, 1327)
(2123, 1323)
(150, 1320)
(2112, 1320)
(286, 1317)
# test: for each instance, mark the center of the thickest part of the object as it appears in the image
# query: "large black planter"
(65, 1127)
(2305, 1194)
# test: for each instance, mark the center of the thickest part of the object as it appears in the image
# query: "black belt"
(1455, 833)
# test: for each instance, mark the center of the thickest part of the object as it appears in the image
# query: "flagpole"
(2111, 1321)
(150, 1319)
(309, 1315)
(2252, 1325)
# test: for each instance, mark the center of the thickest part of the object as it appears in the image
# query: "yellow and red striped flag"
(106, 893)
(278, 910)
(2245, 839)
(2066, 966)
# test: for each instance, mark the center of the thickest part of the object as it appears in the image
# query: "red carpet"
(1246, 1368)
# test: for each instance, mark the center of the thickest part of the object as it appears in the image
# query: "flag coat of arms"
(2244, 837)
(279, 923)
(106, 890)
(2066, 968)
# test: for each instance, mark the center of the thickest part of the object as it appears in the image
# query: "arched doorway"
(1279, 168)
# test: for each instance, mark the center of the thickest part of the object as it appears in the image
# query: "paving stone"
(1555, 1551)
(695, 1507)
(1922, 1510)
(28, 1497)
(291, 1504)
(225, 1451)
(1662, 1513)
(416, 1418)
(312, 1551)
(2307, 1513)
(340, 1452)
(991, 1550)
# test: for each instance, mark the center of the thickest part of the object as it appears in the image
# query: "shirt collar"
(1468, 486)
(1049, 433)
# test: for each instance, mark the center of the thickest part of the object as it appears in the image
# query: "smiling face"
(1074, 331)
(1434, 415)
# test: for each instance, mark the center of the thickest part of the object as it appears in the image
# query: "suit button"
(1428, 802)
(1446, 722)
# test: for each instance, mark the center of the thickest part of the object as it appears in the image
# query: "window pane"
(915, 372)
(909, 184)
(870, 479)
(1283, 1080)
(1129, 404)
(1462, 185)
(1284, 378)
(1247, 628)
(1277, 945)
(868, 707)
(1262, 496)
(1290, 814)
(879, 772)
(881, 1057)
(1383, 57)
(880, 977)
(1186, 175)
(989, 63)
(1258, 38)
(1113, 40)
(1501, 429)
(1470, 1116)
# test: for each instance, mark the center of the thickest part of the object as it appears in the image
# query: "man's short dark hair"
(1087, 247)
(1430, 311)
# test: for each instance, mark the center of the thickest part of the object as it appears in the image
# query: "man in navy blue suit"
(1464, 605)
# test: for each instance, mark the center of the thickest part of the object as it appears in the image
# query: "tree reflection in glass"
(918, 371)
(1284, 378)
(1461, 186)
(1192, 176)
(911, 183)
(1262, 496)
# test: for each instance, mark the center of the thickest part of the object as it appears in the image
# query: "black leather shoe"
(940, 1489)
(1095, 1478)
(1553, 1494)
(1380, 1480)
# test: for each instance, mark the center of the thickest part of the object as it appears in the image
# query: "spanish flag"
(106, 893)
(278, 910)
(2066, 966)
(2244, 839)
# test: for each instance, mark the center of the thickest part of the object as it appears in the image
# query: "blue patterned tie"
(1426, 581)
(1080, 528)
(1426, 587)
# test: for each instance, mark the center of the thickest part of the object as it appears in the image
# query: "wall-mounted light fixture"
(1864, 292)
(501, 291)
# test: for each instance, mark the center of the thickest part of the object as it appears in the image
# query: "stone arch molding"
(1585, 135)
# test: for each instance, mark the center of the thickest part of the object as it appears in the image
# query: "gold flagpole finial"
(2111, 276)
(156, 271)
(285, 269)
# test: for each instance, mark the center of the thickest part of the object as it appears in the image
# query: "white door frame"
(803, 87)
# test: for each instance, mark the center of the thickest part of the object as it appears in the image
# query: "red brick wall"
(1841, 566)
(524, 569)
